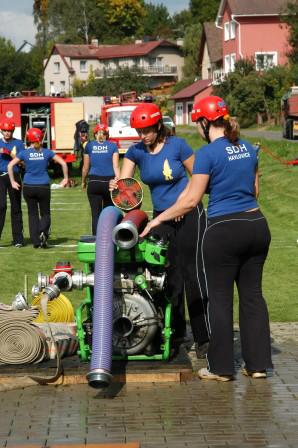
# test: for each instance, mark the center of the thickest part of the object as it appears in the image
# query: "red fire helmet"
(34, 135)
(210, 107)
(145, 115)
(7, 125)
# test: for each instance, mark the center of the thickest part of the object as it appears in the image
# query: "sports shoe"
(18, 245)
(43, 240)
(205, 374)
(201, 350)
(254, 375)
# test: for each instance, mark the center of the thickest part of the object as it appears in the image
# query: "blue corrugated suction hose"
(101, 358)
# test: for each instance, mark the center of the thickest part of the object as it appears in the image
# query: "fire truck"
(289, 108)
(115, 113)
(55, 116)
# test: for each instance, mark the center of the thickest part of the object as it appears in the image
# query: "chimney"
(94, 42)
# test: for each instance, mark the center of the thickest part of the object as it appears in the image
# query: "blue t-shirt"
(232, 171)
(163, 172)
(36, 165)
(101, 157)
(11, 145)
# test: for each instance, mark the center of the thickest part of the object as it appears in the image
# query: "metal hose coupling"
(52, 291)
(126, 234)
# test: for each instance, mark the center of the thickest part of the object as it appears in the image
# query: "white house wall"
(206, 64)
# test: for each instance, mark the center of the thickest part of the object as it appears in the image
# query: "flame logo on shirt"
(167, 171)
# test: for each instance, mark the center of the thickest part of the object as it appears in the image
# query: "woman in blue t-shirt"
(165, 162)
(36, 188)
(235, 244)
(100, 164)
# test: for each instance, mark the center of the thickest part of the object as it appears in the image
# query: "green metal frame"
(145, 251)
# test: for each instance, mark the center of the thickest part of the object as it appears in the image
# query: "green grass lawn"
(71, 218)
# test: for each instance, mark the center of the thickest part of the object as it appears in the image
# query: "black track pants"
(99, 197)
(235, 248)
(38, 198)
(15, 197)
(185, 272)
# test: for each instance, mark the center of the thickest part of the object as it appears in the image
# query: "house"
(161, 61)
(243, 29)
(184, 99)
(252, 29)
(210, 52)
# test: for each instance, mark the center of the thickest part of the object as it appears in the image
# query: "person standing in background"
(9, 148)
(36, 189)
(100, 164)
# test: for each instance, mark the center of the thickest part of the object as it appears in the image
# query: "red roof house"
(184, 99)
(161, 61)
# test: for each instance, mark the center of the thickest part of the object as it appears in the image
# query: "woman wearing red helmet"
(36, 189)
(9, 147)
(100, 164)
(235, 244)
(165, 162)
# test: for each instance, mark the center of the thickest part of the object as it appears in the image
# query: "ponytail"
(231, 127)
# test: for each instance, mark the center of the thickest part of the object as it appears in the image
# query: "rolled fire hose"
(20, 342)
(101, 358)
(126, 234)
(58, 310)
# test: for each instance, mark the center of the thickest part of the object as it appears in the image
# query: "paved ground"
(243, 413)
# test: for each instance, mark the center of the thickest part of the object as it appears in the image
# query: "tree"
(181, 21)
(202, 11)
(124, 17)
(157, 22)
(124, 80)
(18, 71)
(291, 19)
(243, 91)
(191, 51)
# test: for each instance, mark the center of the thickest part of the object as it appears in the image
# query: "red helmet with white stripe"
(145, 115)
(210, 107)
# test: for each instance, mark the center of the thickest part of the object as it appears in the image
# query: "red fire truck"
(115, 114)
(56, 116)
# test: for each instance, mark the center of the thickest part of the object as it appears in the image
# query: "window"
(227, 63)
(56, 67)
(62, 86)
(265, 60)
(233, 60)
(230, 60)
(227, 30)
(83, 66)
(52, 87)
(232, 29)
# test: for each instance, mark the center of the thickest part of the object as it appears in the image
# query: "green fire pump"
(141, 310)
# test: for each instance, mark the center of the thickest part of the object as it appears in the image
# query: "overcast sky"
(17, 22)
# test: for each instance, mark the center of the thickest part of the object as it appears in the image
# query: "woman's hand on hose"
(113, 184)
(151, 225)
